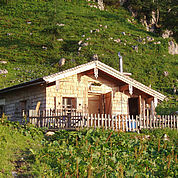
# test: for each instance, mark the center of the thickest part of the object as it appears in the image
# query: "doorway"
(1, 110)
(133, 106)
(100, 103)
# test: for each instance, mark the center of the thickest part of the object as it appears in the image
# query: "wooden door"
(1, 111)
(108, 103)
(133, 106)
(93, 104)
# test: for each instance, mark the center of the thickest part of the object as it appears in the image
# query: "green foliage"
(35, 35)
(101, 153)
(15, 141)
(166, 12)
(86, 153)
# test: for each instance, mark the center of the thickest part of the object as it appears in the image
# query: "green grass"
(86, 153)
(15, 141)
(28, 60)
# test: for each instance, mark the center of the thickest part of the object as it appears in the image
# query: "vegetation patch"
(25, 151)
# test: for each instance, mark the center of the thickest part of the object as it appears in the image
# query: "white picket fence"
(119, 122)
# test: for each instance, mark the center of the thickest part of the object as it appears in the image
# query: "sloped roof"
(107, 69)
(85, 67)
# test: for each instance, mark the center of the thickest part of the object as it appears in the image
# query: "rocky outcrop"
(101, 5)
(151, 24)
(173, 47)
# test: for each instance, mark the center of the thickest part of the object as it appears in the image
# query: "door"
(108, 103)
(133, 106)
(1, 110)
(94, 104)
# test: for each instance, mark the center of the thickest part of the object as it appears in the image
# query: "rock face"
(173, 48)
(101, 5)
(62, 61)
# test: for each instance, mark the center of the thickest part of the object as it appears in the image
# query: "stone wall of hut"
(23, 99)
(80, 87)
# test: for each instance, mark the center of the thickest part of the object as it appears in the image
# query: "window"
(23, 107)
(69, 104)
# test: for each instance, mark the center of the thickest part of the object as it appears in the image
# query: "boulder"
(62, 61)
(80, 42)
(60, 25)
(167, 34)
(84, 44)
(3, 71)
(173, 47)
(49, 133)
(135, 48)
(95, 57)
(101, 5)
(60, 39)
(166, 73)
(3, 62)
(117, 40)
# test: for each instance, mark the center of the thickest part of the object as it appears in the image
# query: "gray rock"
(166, 73)
(62, 61)
(3, 71)
(60, 25)
(150, 38)
(44, 47)
(123, 33)
(117, 40)
(49, 133)
(173, 48)
(3, 62)
(84, 44)
(158, 42)
(95, 57)
(101, 5)
(165, 137)
(167, 34)
(135, 48)
(60, 39)
(80, 42)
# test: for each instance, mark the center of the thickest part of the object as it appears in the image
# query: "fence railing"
(115, 122)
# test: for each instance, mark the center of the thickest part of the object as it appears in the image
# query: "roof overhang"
(23, 85)
(107, 69)
(85, 67)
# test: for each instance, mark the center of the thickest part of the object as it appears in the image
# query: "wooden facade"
(92, 88)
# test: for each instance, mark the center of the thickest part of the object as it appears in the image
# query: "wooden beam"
(123, 88)
(140, 105)
(143, 108)
(152, 109)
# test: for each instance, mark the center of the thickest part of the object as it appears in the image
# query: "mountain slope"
(35, 35)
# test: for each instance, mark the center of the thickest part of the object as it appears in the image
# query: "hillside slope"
(35, 35)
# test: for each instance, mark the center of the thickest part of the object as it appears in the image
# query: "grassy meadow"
(35, 35)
